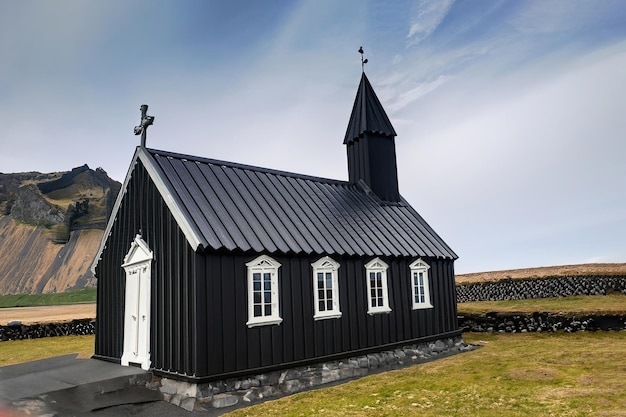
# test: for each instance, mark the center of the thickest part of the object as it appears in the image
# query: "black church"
(211, 269)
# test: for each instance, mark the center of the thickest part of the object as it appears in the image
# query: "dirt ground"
(47, 314)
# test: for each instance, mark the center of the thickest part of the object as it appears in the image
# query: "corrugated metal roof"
(232, 206)
(368, 115)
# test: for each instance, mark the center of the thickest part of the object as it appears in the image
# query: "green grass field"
(19, 351)
(614, 303)
(579, 374)
(527, 374)
(531, 374)
(87, 295)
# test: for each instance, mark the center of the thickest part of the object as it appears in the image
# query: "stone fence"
(15, 330)
(539, 322)
(521, 289)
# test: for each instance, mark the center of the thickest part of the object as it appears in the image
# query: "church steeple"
(370, 145)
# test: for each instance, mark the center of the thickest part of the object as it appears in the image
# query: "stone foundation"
(254, 389)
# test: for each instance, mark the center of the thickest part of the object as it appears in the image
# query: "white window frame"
(420, 290)
(376, 266)
(263, 270)
(327, 267)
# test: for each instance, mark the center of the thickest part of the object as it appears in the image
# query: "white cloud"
(427, 17)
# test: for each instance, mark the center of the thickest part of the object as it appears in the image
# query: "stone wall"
(17, 331)
(257, 388)
(520, 289)
(539, 322)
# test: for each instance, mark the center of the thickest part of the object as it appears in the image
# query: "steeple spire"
(370, 144)
(368, 115)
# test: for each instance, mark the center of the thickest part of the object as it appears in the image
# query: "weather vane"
(143, 124)
(363, 61)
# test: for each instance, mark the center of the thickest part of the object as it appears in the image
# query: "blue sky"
(509, 114)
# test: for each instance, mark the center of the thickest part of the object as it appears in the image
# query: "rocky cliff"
(50, 228)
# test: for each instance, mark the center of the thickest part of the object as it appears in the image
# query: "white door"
(138, 265)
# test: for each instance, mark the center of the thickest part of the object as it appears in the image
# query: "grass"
(86, 295)
(19, 351)
(614, 303)
(531, 374)
(580, 374)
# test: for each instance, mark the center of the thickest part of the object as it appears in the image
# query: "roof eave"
(193, 236)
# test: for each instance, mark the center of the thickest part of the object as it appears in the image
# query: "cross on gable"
(143, 124)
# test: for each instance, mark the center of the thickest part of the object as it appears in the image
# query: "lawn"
(528, 374)
(18, 351)
(579, 374)
(614, 303)
(86, 295)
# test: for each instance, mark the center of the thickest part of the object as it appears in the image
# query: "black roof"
(368, 115)
(227, 206)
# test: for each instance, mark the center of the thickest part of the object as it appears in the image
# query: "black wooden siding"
(199, 301)
(173, 307)
(233, 348)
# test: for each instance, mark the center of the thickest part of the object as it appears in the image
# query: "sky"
(510, 114)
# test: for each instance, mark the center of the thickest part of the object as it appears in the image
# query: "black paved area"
(66, 386)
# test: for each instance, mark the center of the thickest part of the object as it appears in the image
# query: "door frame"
(138, 268)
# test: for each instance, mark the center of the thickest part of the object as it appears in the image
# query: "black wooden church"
(211, 269)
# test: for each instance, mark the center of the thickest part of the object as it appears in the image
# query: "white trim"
(419, 270)
(138, 267)
(264, 267)
(377, 266)
(193, 237)
(113, 216)
(325, 266)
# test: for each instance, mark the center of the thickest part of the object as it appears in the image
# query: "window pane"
(321, 305)
(320, 280)
(257, 311)
(267, 285)
(329, 294)
(257, 298)
(320, 294)
(329, 280)
(329, 305)
(268, 310)
(267, 297)
(256, 276)
(257, 286)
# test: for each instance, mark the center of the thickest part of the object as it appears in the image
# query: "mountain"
(50, 228)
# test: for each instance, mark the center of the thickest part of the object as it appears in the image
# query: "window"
(419, 285)
(378, 299)
(263, 302)
(326, 289)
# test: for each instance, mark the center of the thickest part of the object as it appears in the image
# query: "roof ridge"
(247, 167)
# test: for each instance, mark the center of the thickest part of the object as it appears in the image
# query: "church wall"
(234, 349)
(172, 301)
